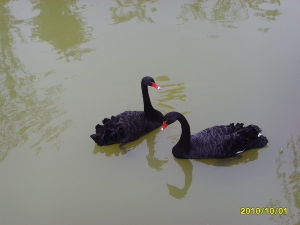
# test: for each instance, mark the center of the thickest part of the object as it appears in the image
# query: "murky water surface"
(65, 65)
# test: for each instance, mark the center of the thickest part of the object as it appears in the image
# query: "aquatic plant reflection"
(126, 10)
(27, 113)
(229, 12)
(170, 96)
(288, 172)
(60, 24)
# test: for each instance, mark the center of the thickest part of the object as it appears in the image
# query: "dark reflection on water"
(229, 12)
(288, 172)
(187, 169)
(245, 157)
(126, 10)
(61, 25)
(26, 111)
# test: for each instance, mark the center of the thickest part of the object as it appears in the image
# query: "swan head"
(149, 81)
(169, 118)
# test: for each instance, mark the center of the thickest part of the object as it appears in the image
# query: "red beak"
(164, 125)
(153, 84)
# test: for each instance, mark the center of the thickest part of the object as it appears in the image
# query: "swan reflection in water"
(246, 157)
(186, 165)
(187, 169)
(117, 150)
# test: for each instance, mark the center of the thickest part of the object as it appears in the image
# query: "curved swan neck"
(185, 138)
(148, 108)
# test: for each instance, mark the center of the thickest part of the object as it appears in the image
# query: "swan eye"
(153, 84)
(164, 125)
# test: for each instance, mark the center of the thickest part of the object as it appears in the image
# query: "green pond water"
(65, 65)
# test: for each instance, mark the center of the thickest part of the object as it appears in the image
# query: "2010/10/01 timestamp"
(263, 211)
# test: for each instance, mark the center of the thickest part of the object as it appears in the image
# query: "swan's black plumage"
(215, 142)
(130, 125)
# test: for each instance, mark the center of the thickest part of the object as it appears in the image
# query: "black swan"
(215, 142)
(130, 125)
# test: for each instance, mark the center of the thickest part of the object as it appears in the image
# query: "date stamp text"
(263, 211)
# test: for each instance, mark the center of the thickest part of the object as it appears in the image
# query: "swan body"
(214, 142)
(130, 125)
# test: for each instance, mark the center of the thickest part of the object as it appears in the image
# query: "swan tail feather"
(250, 137)
(111, 132)
(98, 128)
(108, 136)
(105, 120)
